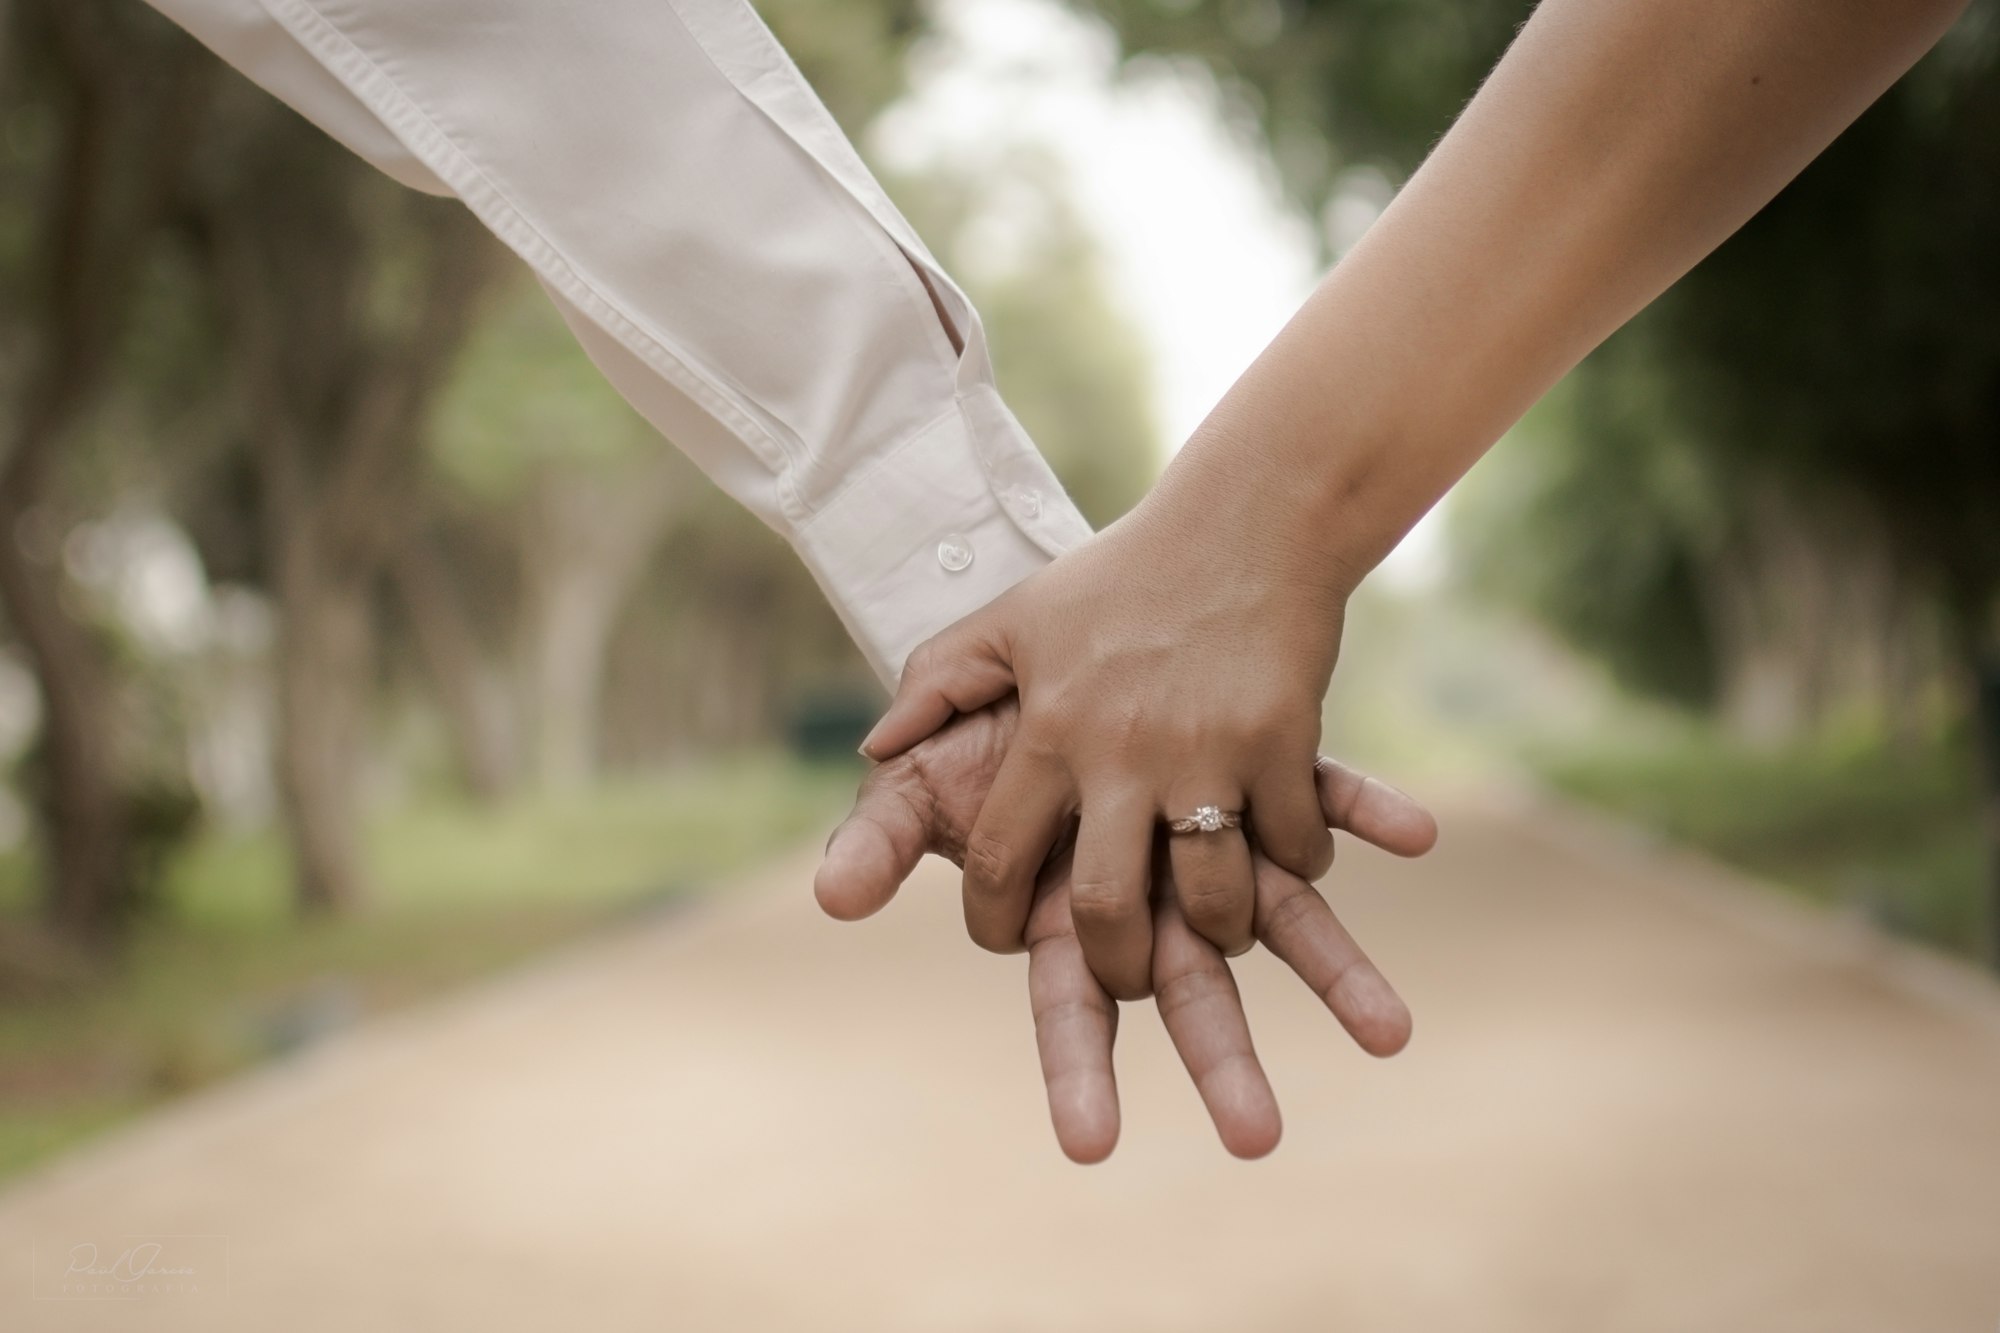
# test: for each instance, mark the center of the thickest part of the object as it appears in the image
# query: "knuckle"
(1092, 1007)
(918, 810)
(1063, 711)
(1191, 986)
(1283, 727)
(1223, 920)
(1305, 852)
(1124, 724)
(898, 777)
(1101, 902)
(1291, 914)
(945, 654)
(989, 865)
(922, 661)
(1229, 941)
(1265, 730)
(1210, 900)
(1036, 741)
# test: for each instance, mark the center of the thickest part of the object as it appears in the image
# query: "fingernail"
(864, 752)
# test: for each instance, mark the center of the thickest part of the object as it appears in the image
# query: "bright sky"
(1202, 250)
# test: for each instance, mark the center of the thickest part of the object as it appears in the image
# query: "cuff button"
(955, 552)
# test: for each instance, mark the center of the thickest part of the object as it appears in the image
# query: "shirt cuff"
(938, 527)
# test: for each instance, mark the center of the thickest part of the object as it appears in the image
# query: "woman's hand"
(927, 800)
(1177, 660)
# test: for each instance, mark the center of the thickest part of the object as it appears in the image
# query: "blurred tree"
(343, 299)
(1612, 562)
(1334, 84)
(550, 558)
(471, 693)
(1700, 578)
(100, 102)
(733, 619)
(1834, 368)
(528, 429)
(1844, 339)
(851, 51)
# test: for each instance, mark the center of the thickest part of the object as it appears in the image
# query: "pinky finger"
(1296, 924)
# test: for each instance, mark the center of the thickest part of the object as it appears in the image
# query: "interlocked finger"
(1212, 877)
(1020, 823)
(1203, 1014)
(1295, 923)
(1075, 1026)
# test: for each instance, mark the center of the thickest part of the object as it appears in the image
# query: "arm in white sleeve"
(721, 253)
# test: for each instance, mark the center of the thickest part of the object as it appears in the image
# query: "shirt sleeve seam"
(882, 237)
(378, 90)
(897, 263)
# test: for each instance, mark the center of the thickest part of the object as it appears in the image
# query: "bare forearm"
(1617, 143)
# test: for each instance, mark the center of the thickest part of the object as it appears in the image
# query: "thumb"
(877, 846)
(963, 669)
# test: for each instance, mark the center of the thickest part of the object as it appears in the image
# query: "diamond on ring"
(1207, 819)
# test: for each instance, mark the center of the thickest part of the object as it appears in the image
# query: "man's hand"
(926, 801)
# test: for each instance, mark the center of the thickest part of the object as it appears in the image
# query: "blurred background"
(356, 640)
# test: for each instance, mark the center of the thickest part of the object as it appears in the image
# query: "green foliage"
(1846, 334)
(742, 630)
(224, 975)
(1334, 83)
(1596, 531)
(525, 396)
(1076, 375)
(1889, 829)
(851, 51)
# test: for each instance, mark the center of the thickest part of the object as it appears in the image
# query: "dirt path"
(1641, 1097)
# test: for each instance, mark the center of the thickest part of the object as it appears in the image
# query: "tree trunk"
(124, 116)
(1811, 620)
(325, 658)
(335, 400)
(471, 695)
(1986, 725)
(587, 543)
(571, 609)
(82, 804)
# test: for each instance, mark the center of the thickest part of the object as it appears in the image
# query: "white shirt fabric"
(722, 254)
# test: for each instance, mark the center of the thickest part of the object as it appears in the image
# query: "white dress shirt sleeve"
(722, 254)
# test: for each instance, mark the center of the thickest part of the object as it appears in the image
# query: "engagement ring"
(1207, 819)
